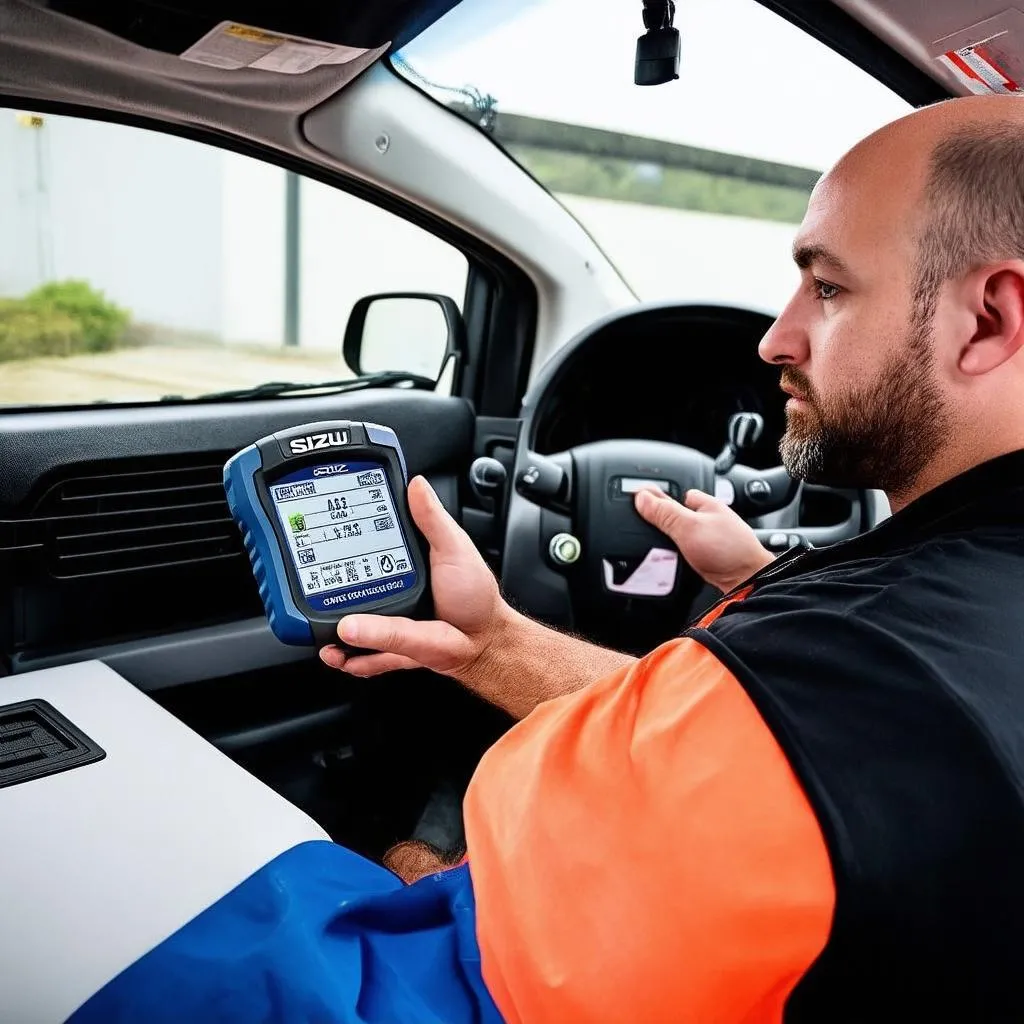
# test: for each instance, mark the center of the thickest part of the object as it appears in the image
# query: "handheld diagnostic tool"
(323, 514)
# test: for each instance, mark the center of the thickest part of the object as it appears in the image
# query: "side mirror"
(411, 332)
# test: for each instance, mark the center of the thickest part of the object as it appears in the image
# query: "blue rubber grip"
(287, 623)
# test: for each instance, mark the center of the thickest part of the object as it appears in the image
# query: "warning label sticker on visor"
(232, 46)
(980, 70)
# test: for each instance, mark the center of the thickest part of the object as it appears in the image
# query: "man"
(810, 806)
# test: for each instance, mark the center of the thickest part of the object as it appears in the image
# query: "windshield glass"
(136, 266)
(693, 188)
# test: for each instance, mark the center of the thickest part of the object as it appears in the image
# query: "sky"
(750, 83)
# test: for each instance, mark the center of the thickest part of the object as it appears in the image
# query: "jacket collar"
(990, 494)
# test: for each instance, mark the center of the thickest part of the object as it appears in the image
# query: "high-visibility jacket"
(808, 808)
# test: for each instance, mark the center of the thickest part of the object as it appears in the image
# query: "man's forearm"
(527, 663)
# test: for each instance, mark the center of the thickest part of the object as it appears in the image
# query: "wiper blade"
(280, 388)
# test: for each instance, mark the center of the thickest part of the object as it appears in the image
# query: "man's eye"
(825, 291)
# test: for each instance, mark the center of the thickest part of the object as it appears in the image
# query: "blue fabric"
(318, 934)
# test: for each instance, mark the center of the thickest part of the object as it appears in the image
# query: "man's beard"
(878, 435)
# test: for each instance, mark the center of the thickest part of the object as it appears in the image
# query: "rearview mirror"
(411, 332)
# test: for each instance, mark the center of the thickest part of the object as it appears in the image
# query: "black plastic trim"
(511, 329)
(26, 755)
(844, 34)
(191, 656)
(286, 728)
(432, 428)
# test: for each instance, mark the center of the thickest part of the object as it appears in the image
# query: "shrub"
(103, 323)
(60, 319)
(26, 331)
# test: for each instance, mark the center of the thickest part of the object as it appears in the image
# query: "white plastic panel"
(437, 160)
(101, 863)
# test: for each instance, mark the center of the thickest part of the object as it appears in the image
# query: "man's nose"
(786, 341)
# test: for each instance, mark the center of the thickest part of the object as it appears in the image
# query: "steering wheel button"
(564, 549)
(758, 489)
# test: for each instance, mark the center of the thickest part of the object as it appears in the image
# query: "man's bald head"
(955, 171)
(904, 334)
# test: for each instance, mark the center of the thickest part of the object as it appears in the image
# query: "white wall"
(136, 214)
(192, 238)
(23, 248)
(351, 248)
(348, 248)
(251, 271)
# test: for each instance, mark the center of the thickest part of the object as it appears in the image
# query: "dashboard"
(660, 373)
(108, 516)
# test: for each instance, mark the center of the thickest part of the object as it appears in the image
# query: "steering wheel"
(621, 580)
(575, 552)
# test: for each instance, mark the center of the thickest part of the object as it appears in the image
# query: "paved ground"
(148, 373)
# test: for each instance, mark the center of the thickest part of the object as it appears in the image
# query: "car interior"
(564, 392)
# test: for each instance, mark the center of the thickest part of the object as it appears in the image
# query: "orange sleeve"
(642, 851)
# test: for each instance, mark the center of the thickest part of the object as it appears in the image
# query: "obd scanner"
(325, 521)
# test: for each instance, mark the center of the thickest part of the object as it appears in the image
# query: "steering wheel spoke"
(756, 492)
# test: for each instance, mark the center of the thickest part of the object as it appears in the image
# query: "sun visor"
(177, 26)
(986, 58)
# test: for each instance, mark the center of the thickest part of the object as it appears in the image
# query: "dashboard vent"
(117, 518)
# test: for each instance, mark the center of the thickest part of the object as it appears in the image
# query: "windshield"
(136, 266)
(694, 188)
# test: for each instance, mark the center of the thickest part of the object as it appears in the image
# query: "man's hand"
(413, 860)
(476, 638)
(471, 614)
(717, 544)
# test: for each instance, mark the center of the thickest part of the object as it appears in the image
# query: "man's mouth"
(794, 393)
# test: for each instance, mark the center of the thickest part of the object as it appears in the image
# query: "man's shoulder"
(966, 572)
(925, 611)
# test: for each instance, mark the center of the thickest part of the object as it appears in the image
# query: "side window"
(136, 265)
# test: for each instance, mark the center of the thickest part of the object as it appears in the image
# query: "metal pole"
(292, 235)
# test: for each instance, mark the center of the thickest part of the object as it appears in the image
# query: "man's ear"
(996, 297)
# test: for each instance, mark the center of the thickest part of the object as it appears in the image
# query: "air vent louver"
(113, 519)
